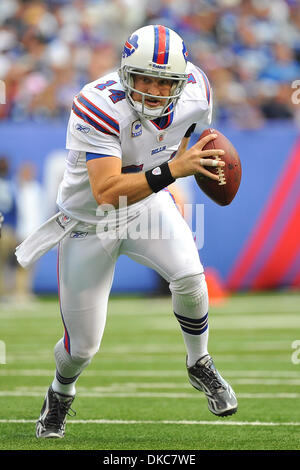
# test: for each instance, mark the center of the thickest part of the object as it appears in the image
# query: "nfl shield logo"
(160, 137)
(63, 220)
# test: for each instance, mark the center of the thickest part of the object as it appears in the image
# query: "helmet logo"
(184, 51)
(130, 46)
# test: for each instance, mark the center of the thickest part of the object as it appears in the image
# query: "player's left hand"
(195, 159)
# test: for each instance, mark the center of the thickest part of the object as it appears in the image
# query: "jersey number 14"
(115, 95)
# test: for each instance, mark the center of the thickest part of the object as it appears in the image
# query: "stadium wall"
(254, 243)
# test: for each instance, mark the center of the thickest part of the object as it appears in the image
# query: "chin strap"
(147, 112)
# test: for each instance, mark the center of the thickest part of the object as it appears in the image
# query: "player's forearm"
(133, 186)
(136, 187)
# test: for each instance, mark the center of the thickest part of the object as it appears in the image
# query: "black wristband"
(190, 131)
(159, 177)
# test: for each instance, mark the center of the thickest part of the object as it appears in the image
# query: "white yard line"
(183, 422)
(238, 322)
(130, 387)
(152, 373)
(109, 394)
(265, 381)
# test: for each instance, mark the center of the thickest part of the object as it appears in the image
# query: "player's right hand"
(192, 161)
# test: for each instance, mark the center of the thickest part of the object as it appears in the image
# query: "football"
(223, 191)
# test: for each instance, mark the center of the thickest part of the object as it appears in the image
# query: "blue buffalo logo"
(130, 46)
(184, 51)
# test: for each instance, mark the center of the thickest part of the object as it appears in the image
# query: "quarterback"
(127, 137)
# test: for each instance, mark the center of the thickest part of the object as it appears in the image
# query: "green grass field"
(135, 394)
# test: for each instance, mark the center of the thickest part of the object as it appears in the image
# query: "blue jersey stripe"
(93, 156)
(99, 113)
(89, 120)
(132, 168)
(165, 121)
(207, 86)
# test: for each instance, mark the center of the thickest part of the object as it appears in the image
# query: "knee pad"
(68, 364)
(81, 361)
(190, 289)
(189, 284)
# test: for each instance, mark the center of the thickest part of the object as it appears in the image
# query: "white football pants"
(86, 268)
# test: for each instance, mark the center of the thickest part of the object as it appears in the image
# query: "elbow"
(107, 199)
(108, 193)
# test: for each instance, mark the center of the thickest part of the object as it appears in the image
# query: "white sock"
(68, 370)
(63, 389)
(190, 305)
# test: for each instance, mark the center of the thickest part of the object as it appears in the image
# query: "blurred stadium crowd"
(250, 50)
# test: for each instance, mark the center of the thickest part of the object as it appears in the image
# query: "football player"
(127, 137)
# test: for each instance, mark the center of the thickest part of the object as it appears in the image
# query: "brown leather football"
(223, 191)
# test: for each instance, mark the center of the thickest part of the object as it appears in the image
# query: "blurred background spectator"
(53, 171)
(29, 203)
(21, 203)
(250, 50)
(8, 231)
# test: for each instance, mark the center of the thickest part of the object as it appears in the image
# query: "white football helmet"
(158, 52)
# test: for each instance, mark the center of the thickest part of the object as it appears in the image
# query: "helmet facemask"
(127, 73)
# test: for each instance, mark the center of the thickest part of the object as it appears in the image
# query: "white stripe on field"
(119, 421)
(119, 387)
(255, 347)
(151, 373)
(186, 385)
(145, 360)
(265, 381)
(22, 393)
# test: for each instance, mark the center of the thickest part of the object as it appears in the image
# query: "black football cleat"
(220, 396)
(52, 420)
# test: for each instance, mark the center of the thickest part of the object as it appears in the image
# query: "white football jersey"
(103, 124)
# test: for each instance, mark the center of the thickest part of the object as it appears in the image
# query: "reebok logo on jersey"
(81, 128)
(136, 128)
(78, 234)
